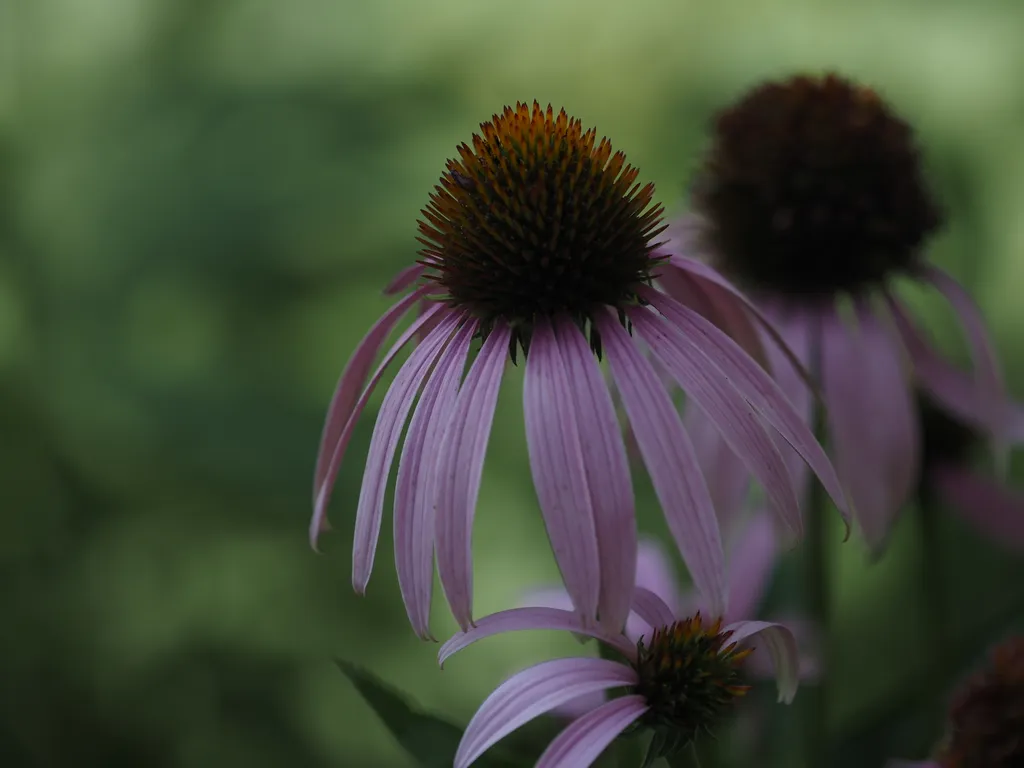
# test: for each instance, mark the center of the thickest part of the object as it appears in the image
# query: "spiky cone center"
(986, 721)
(539, 218)
(690, 675)
(813, 186)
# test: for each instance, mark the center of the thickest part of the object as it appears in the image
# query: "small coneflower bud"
(689, 675)
(539, 219)
(986, 721)
(813, 186)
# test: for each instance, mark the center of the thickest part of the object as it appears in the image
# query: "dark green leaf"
(430, 740)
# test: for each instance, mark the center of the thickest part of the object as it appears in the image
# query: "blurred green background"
(200, 201)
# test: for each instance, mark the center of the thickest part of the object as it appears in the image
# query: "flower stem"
(935, 589)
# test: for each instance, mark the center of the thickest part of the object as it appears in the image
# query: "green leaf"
(430, 740)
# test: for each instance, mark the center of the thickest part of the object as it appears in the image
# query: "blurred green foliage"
(199, 203)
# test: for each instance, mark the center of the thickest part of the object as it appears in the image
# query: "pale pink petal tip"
(582, 742)
(781, 645)
(534, 692)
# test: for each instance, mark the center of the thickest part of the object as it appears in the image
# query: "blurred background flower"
(199, 202)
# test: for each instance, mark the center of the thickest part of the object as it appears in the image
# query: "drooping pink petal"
(584, 740)
(654, 571)
(404, 279)
(725, 473)
(752, 383)
(751, 559)
(652, 609)
(556, 462)
(670, 460)
(351, 381)
(706, 273)
(716, 305)
(459, 466)
(611, 490)
(532, 693)
(781, 644)
(992, 389)
(336, 446)
(873, 425)
(519, 619)
(417, 481)
(808, 641)
(731, 413)
(992, 508)
(386, 433)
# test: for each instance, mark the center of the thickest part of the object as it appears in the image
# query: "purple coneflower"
(678, 680)
(985, 726)
(812, 197)
(538, 239)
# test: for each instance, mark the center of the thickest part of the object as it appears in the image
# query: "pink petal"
(808, 641)
(872, 421)
(583, 741)
(532, 693)
(556, 461)
(781, 644)
(404, 279)
(726, 475)
(751, 561)
(459, 466)
(611, 490)
(386, 433)
(652, 609)
(343, 401)
(654, 571)
(670, 460)
(519, 619)
(992, 508)
(992, 389)
(752, 382)
(551, 597)
(415, 487)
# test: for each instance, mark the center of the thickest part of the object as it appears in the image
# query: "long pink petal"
(753, 383)
(417, 480)
(532, 693)
(582, 742)
(781, 644)
(751, 560)
(726, 475)
(404, 279)
(652, 609)
(459, 466)
(731, 413)
(556, 462)
(386, 433)
(520, 619)
(873, 425)
(992, 508)
(991, 387)
(318, 523)
(654, 571)
(343, 401)
(670, 460)
(611, 490)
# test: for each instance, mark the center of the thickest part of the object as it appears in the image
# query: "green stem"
(936, 595)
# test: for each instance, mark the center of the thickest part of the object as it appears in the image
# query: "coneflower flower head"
(986, 720)
(812, 191)
(539, 238)
(539, 219)
(813, 186)
(689, 673)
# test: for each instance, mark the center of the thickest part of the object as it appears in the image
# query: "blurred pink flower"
(678, 677)
(566, 294)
